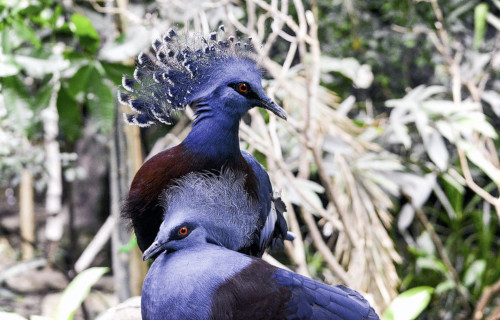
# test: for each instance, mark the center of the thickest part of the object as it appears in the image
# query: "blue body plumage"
(221, 81)
(197, 275)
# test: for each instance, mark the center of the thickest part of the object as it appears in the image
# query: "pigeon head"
(213, 74)
(206, 208)
(185, 235)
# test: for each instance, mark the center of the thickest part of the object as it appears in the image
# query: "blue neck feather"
(214, 134)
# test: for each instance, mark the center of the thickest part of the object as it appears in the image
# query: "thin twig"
(495, 202)
(111, 10)
(94, 247)
(486, 296)
(442, 253)
(324, 249)
(331, 195)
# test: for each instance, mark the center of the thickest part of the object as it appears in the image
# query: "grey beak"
(152, 251)
(274, 108)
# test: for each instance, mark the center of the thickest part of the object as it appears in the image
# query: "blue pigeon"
(198, 275)
(221, 81)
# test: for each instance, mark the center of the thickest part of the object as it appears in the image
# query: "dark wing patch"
(262, 291)
(251, 294)
(314, 300)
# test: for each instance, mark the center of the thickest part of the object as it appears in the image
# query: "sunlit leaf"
(424, 242)
(308, 194)
(445, 286)
(38, 68)
(474, 272)
(477, 122)
(17, 102)
(436, 149)
(431, 263)
(361, 75)
(24, 31)
(476, 157)
(85, 31)
(76, 292)
(493, 99)
(480, 12)
(409, 304)
(7, 68)
(135, 40)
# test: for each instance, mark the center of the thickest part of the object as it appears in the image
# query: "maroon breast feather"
(160, 172)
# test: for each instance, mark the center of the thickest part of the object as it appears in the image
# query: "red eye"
(243, 87)
(183, 231)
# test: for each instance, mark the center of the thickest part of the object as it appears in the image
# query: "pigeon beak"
(274, 108)
(152, 251)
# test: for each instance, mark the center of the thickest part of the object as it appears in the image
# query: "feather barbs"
(176, 69)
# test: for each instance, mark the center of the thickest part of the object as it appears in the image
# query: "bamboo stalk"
(137, 268)
(27, 215)
(54, 226)
(119, 235)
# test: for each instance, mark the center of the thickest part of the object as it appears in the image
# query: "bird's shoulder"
(258, 169)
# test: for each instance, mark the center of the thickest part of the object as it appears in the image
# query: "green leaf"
(25, 32)
(474, 272)
(70, 119)
(84, 30)
(77, 86)
(454, 191)
(42, 98)
(409, 304)
(431, 263)
(130, 245)
(8, 68)
(76, 292)
(445, 286)
(100, 101)
(83, 27)
(17, 102)
(115, 71)
(39, 102)
(480, 13)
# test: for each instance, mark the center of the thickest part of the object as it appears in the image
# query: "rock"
(22, 305)
(106, 283)
(37, 281)
(7, 254)
(130, 309)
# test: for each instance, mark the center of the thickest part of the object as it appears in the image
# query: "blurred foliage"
(45, 46)
(399, 116)
(76, 292)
